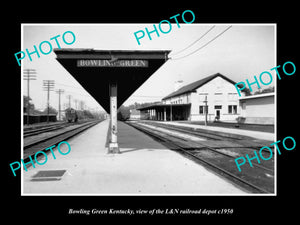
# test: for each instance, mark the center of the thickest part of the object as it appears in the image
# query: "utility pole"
(206, 110)
(59, 92)
(29, 74)
(69, 97)
(81, 105)
(75, 100)
(48, 86)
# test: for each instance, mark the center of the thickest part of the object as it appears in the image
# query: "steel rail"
(209, 147)
(85, 125)
(42, 130)
(178, 147)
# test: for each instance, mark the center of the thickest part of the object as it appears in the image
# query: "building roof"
(195, 85)
(271, 94)
(157, 106)
(90, 53)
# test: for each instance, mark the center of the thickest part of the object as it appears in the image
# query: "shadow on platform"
(131, 139)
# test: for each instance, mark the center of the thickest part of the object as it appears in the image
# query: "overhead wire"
(203, 45)
(70, 86)
(176, 53)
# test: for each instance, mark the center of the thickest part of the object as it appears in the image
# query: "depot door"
(218, 114)
(218, 111)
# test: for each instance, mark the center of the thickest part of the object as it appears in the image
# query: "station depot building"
(218, 94)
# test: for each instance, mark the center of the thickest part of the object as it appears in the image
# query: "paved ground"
(143, 167)
(250, 133)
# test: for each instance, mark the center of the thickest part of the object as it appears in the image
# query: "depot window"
(201, 109)
(232, 109)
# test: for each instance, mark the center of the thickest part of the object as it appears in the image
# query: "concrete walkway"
(250, 133)
(143, 167)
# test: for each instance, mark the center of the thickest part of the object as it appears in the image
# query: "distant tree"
(123, 113)
(51, 110)
(257, 92)
(89, 114)
(136, 105)
(247, 91)
(25, 105)
(265, 90)
(268, 90)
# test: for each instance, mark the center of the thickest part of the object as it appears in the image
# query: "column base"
(113, 148)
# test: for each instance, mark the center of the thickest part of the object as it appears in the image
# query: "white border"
(104, 24)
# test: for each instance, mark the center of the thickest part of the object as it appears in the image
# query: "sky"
(241, 52)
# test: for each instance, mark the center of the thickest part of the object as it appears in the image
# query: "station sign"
(110, 63)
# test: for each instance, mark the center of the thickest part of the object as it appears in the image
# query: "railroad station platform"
(249, 133)
(144, 167)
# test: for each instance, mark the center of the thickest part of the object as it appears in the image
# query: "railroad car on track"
(71, 115)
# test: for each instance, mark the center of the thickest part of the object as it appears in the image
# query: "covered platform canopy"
(111, 76)
(96, 69)
(167, 111)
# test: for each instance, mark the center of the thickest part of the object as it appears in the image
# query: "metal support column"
(113, 144)
(165, 113)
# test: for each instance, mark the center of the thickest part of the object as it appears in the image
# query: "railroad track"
(31, 147)
(213, 135)
(259, 179)
(41, 125)
(216, 136)
(32, 132)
